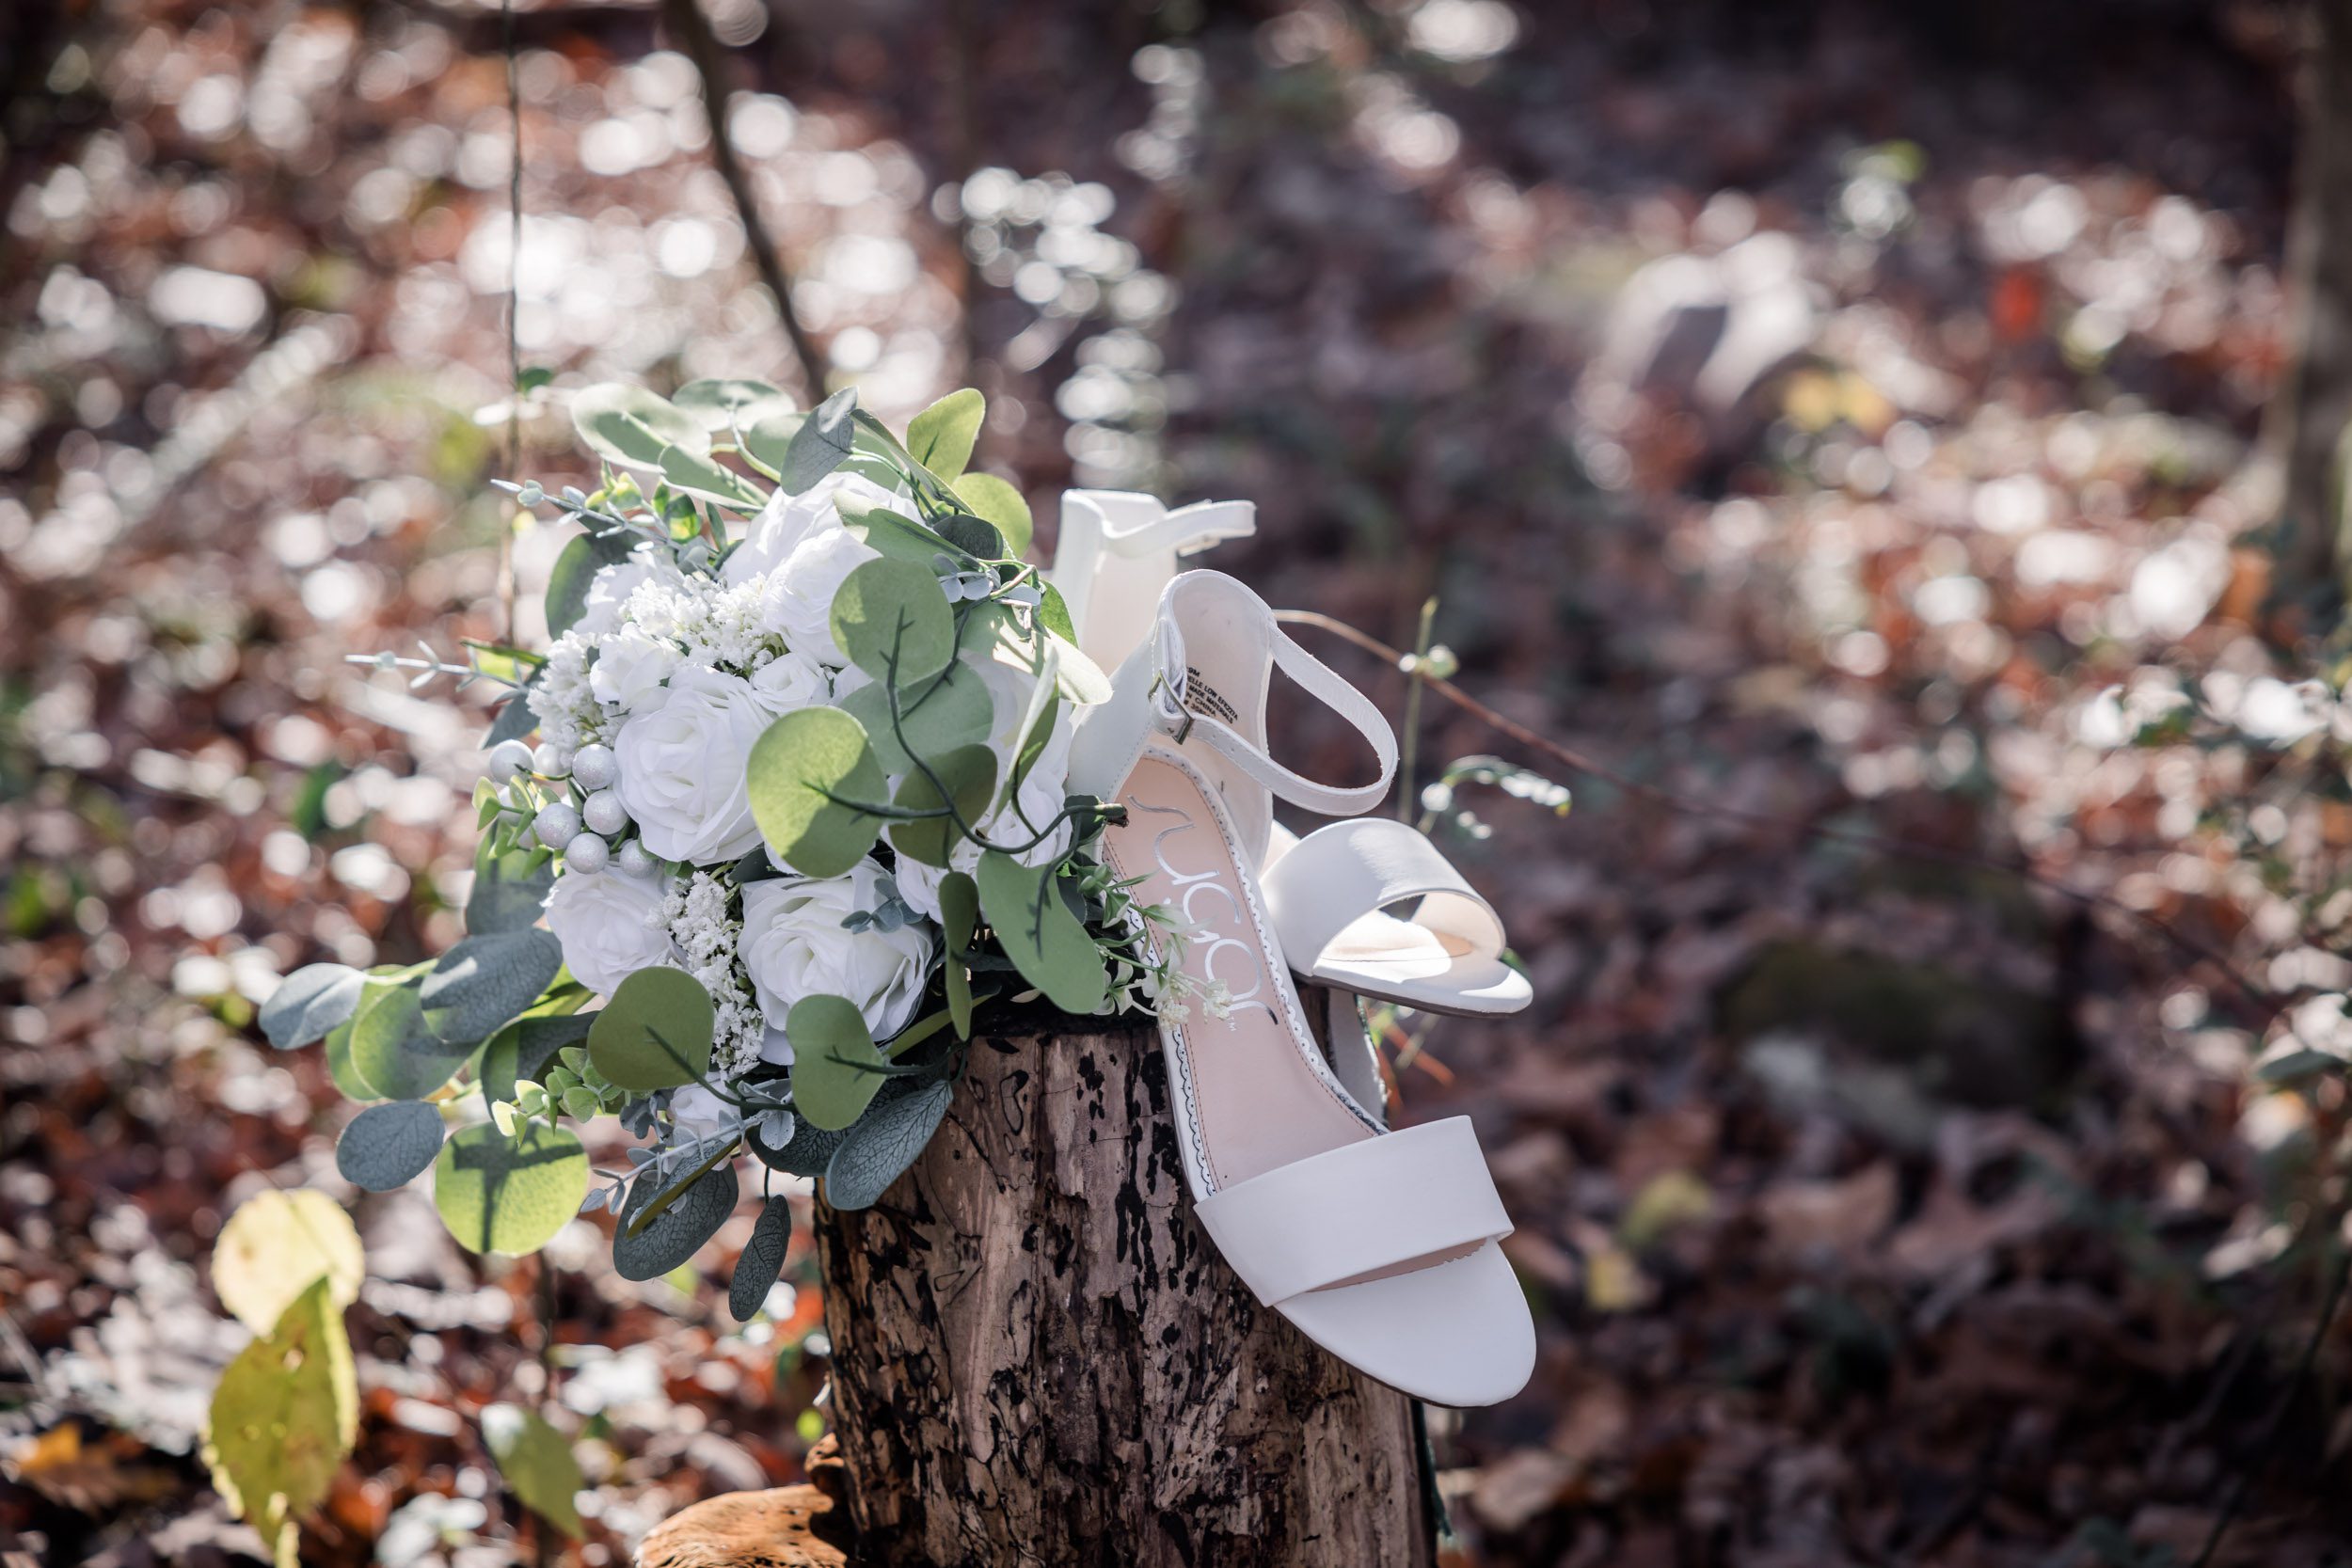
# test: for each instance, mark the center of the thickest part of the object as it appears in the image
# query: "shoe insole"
(1255, 1101)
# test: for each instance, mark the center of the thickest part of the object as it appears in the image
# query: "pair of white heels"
(1380, 1246)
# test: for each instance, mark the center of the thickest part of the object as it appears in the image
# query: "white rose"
(797, 602)
(1014, 818)
(631, 666)
(682, 768)
(787, 521)
(610, 589)
(699, 1111)
(610, 926)
(794, 947)
(790, 683)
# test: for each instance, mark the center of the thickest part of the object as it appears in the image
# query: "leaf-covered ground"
(1836, 417)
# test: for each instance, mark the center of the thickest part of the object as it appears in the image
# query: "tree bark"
(2306, 423)
(1038, 1357)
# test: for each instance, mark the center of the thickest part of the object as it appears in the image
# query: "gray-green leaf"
(312, 1004)
(498, 1193)
(698, 475)
(954, 711)
(762, 1261)
(485, 981)
(575, 572)
(631, 425)
(655, 1031)
(996, 500)
(676, 1233)
(389, 1145)
(509, 890)
(536, 1463)
(803, 776)
(879, 1149)
(393, 1050)
(836, 1068)
(820, 444)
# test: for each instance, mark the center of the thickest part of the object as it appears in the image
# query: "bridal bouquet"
(795, 813)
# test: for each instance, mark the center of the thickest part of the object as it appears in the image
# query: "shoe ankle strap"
(1133, 524)
(1148, 696)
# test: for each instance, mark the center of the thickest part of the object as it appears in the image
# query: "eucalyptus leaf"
(805, 776)
(897, 535)
(1045, 941)
(655, 1031)
(941, 437)
(699, 475)
(1052, 613)
(954, 711)
(516, 718)
(389, 1145)
(1001, 505)
(339, 1068)
(498, 1193)
(721, 404)
(762, 1259)
(676, 1233)
(510, 891)
(487, 980)
(892, 620)
(311, 1004)
(836, 1068)
(959, 914)
(820, 444)
(969, 774)
(631, 425)
(524, 1048)
(879, 1149)
(803, 1154)
(575, 572)
(394, 1051)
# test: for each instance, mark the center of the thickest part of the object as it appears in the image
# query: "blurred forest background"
(1836, 423)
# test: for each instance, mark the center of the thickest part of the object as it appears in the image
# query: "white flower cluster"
(695, 916)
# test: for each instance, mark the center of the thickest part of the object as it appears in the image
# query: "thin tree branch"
(2268, 1002)
(692, 29)
(514, 296)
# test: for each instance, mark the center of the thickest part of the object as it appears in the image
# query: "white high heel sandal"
(1380, 1246)
(1115, 555)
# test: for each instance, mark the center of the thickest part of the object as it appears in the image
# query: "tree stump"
(1038, 1357)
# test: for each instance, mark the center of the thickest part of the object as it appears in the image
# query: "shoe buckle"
(1168, 707)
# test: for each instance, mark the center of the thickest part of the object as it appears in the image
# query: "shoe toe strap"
(1357, 1210)
(1337, 875)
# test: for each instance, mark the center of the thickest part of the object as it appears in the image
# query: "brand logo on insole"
(1189, 887)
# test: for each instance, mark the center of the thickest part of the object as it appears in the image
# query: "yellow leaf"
(284, 1416)
(274, 1245)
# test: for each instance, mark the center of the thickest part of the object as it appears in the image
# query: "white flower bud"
(506, 759)
(550, 761)
(587, 853)
(638, 860)
(604, 812)
(557, 824)
(593, 766)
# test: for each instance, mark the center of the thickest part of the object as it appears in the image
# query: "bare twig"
(2269, 1003)
(687, 24)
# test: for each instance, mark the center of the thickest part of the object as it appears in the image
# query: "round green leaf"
(498, 1193)
(941, 437)
(655, 1031)
(631, 425)
(676, 1233)
(954, 711)
(1044, 941)
(969, 774)
(721, 404)
(389, 1145)
(893, 621)
(998, 502)
(806, 777)
(394, 1051)
(311, 1004)
(836, 1069)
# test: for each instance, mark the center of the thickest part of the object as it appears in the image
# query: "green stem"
(1408, 795)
